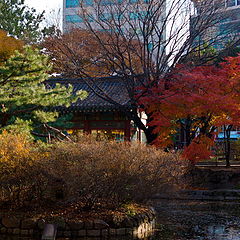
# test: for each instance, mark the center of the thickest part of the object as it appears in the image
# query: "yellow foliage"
(20, 160)
(16, 152)
(8, 45)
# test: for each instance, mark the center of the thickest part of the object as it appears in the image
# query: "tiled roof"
(113, 87)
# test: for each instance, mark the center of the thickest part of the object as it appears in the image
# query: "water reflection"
(212, 232)
(216, 230)
(221, 232)
(200, 220)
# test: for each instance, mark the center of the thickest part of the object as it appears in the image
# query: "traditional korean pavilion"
(98, 114)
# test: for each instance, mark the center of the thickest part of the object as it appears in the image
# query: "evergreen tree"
(21, 21)
(25, 101)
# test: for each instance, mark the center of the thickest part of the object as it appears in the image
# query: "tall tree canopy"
(25, 100)
(21, 21)
(79, 53)
(142, 43)
(197, 100)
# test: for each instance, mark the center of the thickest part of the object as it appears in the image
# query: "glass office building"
(227, 27)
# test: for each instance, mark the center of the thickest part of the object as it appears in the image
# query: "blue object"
(72, 3)
(133, 1)
(74, 18)
(234, 135)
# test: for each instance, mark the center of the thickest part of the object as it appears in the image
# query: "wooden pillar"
(86, 127)
(139, 134)
(127, 131)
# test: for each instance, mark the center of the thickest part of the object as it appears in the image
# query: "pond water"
(197, 220)
(193, 220)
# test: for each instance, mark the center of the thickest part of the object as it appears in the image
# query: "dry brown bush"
(111, 171)
(87, 171)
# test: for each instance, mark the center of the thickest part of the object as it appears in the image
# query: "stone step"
(49, 232)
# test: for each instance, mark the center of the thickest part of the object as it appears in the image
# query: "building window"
(110, 2)
(105, 30)
(91, 18)
(74, 19)
(76, 3)
(105, 16)
(133, 1)
(133, 16)
(106, 2)
(138, 15)
(150, 46)
(232, 3)
(88, 2)
(229, 28)
(111, 16)
(224, 29)
(72, 3)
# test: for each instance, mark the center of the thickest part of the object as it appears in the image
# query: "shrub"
(116, 172)
(88, 172)
(19, 159)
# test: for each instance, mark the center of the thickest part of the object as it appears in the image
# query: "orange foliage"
(199, 149)
(81, 53)
(20, 160)
(16, 153)
(8, 45)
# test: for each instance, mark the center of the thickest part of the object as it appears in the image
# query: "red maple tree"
(197, 100)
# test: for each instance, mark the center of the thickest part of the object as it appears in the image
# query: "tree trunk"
(227, 143)
(188, 134)
(148, 130)
(4, 117)
(150, 136)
